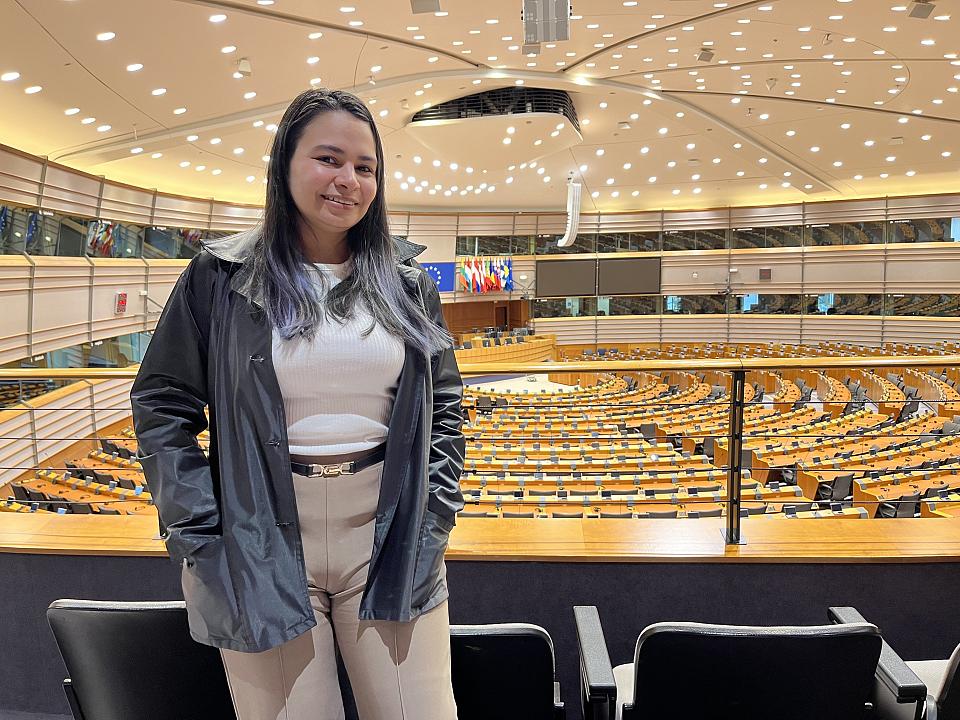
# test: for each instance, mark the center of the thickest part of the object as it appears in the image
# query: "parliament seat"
(697, 671)
(504, 671)
(101, 641)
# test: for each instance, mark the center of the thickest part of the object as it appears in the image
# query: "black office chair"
(696, 671)
(839, 489)
(504, 671)
(905, 507)
(101, 641)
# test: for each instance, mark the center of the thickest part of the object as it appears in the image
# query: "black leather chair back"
(708, 672)
(949, 700)
(137, 661)
(504, 672)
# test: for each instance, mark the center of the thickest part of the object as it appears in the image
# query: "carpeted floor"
(14, 715)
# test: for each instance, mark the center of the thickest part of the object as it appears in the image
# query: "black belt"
(343, 468)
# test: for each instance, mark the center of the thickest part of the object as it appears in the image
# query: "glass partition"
(565, 307)
(926, 230)
(700, 239)
(765, 237)
(628, 242)
(853, 233)
(756, 304)
(694, 304)
(930, 305)
(843, 304)
(628, 305)
(547, 245)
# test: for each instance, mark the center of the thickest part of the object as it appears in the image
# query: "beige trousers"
(398, 671)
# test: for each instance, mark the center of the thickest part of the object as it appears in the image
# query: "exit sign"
(120, 304)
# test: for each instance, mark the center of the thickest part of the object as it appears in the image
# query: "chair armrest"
(893, 673)
(598, 689)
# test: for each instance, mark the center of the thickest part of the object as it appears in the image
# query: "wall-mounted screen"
(629, 276)
(566, 278)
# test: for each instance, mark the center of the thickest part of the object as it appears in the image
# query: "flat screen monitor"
(629, 276)
(566, 278)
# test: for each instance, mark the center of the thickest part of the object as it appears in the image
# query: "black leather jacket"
(232, 520)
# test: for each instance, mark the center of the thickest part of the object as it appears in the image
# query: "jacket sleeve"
(447, 443)
(168, 399)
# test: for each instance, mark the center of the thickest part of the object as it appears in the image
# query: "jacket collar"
(239, 248)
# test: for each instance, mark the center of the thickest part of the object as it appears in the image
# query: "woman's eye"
(366, 169)
(326, 159)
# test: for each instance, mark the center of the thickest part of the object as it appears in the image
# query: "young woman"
(322, 513)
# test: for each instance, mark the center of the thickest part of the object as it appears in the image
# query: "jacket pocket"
(212, 608)
(429, 576)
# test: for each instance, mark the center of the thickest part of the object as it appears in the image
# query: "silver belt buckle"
(332, 470)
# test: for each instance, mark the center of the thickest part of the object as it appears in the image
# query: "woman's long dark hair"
(292, 288)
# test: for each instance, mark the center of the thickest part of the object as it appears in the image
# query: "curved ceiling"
(819, 99)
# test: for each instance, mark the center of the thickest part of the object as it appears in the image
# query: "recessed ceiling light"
(218, 18)
(103, 128)
(492, 21)
(926, 137)
(227, 49)
(136, 150)
(869, 143)
(200, 168)
(10, 76)
(355, 23)
(815, 148)
(192, 138)
(238, 151)
(249, 95)
(251, 178)
(71, 111)
(946, 154)
(158, 92)
(88, 121)
(891, 158)
(33, 89)
(157, 155)
(315, 35)
(134, 67)
(432, 59)
(106, 36)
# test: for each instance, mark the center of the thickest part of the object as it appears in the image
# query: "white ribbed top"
(338, 389)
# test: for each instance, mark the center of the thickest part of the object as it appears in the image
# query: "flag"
(508, 281)
(442, 274)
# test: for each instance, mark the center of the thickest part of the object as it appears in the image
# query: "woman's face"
(333, 172)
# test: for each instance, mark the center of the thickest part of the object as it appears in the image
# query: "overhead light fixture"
(705, 55)
(921, 9)
(244, 67)
(827, 39)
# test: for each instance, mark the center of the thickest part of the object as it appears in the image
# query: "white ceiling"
(788, 76)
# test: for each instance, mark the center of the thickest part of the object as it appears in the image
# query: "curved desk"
(902, 574)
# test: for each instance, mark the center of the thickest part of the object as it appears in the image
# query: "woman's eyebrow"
(340, 151)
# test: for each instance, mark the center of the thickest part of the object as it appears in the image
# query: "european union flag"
(443, 274)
